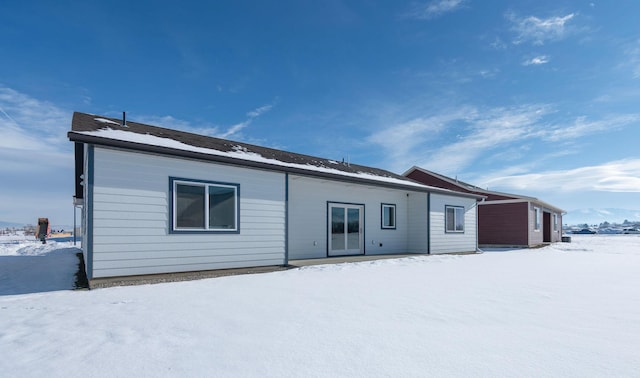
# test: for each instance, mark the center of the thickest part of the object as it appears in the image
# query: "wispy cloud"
(614, 176)
(36, 159)
(632, 54)
(31, 129)
(403, 139)
(538, 30)
(171, 122)
(487, 131)
(206, 128)
(450, 142)
(433, 9)
(251, 116)
(582, 126)
(536, 61)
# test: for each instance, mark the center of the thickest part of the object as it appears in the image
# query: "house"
(156, 200)
(504, 220)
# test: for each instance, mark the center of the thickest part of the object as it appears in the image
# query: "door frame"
(346, 205)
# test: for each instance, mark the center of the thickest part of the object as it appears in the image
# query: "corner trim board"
(90, 185)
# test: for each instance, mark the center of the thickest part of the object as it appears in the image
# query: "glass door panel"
(346, 230)
(337, 229)
(353, 229)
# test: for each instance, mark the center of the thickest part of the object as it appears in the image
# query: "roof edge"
(80, 137)
(478, 189)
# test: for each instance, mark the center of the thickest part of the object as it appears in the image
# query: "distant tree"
(626, 222)
(605, 224)
(584, 225)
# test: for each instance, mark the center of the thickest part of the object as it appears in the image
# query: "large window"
(454, 218)
(388, 216)
(204, 206)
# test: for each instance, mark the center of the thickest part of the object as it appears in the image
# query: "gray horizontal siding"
(131, 217)
(150, 268)
(308, 199)
(451, 242)
(418, 223)
(144, 261)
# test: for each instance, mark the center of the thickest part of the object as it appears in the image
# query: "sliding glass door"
(346, 229)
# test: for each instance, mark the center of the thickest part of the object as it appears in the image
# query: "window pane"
(450, 219)
(459, 219)
(222, 207)
(337, 228)
(388, 216)
(189, 206)
(353, 229)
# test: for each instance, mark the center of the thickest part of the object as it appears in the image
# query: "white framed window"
(536, 218)
(388, 216)
(204, 206)
(454, 218)
(555, 222)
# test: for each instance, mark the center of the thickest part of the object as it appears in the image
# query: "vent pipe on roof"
(124, 119)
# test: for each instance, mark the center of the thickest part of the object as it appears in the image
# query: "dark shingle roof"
(85, 129)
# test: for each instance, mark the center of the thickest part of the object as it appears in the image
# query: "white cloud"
(206, 128)
(498, 44)
(539, 30)
(451, 141)
(633, 59)
(615, 176)
(433, 9)
(259, 111)
(234, 130)
(403, 140)
(31, 123)
(171, 122)
(489, 130)
(535, 61)
(582, 127)
(36, 159)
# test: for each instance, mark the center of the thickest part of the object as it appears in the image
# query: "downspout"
(286, 219)
(428, 223)
(89, 204)
(478, 250)
(529, 228)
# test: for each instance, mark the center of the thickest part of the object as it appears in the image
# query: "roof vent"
(124, 119)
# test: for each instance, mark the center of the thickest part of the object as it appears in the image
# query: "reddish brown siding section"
(431, 180)
(503, 224)
(496, 197)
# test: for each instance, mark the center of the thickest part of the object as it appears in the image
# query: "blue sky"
(538, 98)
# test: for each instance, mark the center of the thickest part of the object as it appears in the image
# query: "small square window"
(388, 216)
(454, 219)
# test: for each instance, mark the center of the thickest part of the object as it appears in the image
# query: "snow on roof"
(243, 153)
(104, 120)
(101, 127)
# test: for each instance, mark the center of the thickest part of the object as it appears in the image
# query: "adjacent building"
(504, 220)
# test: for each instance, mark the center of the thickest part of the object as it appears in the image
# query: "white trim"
(392, 218)
(455, 219)
(537, 223)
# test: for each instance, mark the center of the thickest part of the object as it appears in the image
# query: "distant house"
(157, 200)
(503, 219)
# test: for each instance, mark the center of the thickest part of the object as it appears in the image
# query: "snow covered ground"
(568, 310)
